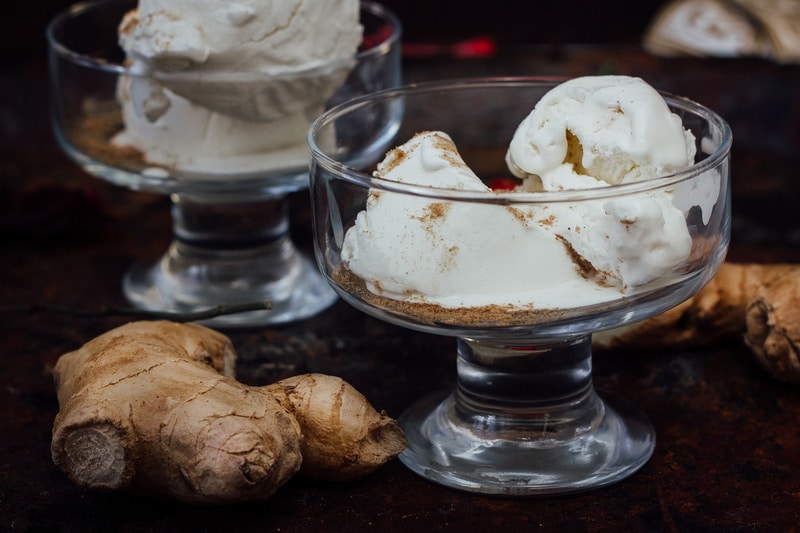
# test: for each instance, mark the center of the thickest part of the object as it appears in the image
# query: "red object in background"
(374, 39)
(480, 46)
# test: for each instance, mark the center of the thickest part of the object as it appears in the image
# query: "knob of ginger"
(153, 408)
(755, 302)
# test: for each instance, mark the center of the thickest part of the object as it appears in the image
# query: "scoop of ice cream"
(597, 131)
(253, 59)
(614, 129)
(215, 78)
(240, 35)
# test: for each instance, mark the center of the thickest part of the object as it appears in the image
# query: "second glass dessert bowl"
(524, 417)
(232, 241)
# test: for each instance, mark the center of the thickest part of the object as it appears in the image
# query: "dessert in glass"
(520, 233)
(209, 102)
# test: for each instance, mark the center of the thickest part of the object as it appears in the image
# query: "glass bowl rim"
(56, 46)
(356, 177)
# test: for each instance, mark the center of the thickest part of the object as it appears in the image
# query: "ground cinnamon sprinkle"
(448, 151)
(93, 133)
(434, 315)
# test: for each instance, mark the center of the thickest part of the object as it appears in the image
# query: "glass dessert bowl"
(524, 417)
(231, 241)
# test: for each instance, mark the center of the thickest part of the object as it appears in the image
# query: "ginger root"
(757, 302)
(153, 408)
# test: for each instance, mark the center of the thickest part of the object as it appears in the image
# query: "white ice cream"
(226, 86)
(543, 256)
(614, 129)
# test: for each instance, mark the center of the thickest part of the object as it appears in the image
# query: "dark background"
(727, 457)
(508, 22)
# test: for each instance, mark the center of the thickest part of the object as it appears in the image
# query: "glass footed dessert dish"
(521, 279)
(239, 136)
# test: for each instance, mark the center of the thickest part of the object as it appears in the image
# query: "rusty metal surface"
(728, 452)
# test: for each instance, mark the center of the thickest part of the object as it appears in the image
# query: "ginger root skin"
(153, 408)
(759, 303)
(344, 438)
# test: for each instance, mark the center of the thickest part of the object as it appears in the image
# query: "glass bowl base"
(296, 297)
(520, 463)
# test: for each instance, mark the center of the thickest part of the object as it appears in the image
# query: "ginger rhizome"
(757, 302)
(153, 408)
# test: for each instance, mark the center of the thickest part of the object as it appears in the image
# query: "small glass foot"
(229, 253)
(524, 464)
(525, 421)
(147, 287)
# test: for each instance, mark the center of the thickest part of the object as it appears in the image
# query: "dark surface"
(728, 452)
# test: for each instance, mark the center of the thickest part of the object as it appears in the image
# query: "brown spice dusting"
(436, 210)
(549, 221)
(585, 267)
(434, 315)
(93, 134)
(448, 261)
(433, 212)
(394, 157)
(448, 151)
(374, 196)
(519, 214)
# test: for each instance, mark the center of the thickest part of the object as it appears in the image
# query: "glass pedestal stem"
(231, 249)
(524, 419)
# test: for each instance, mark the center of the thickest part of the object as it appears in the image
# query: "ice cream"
(592, 132)
(612, 129)
(227, 86)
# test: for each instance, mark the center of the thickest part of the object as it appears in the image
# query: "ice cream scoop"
(221, 86)
(613, 129)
